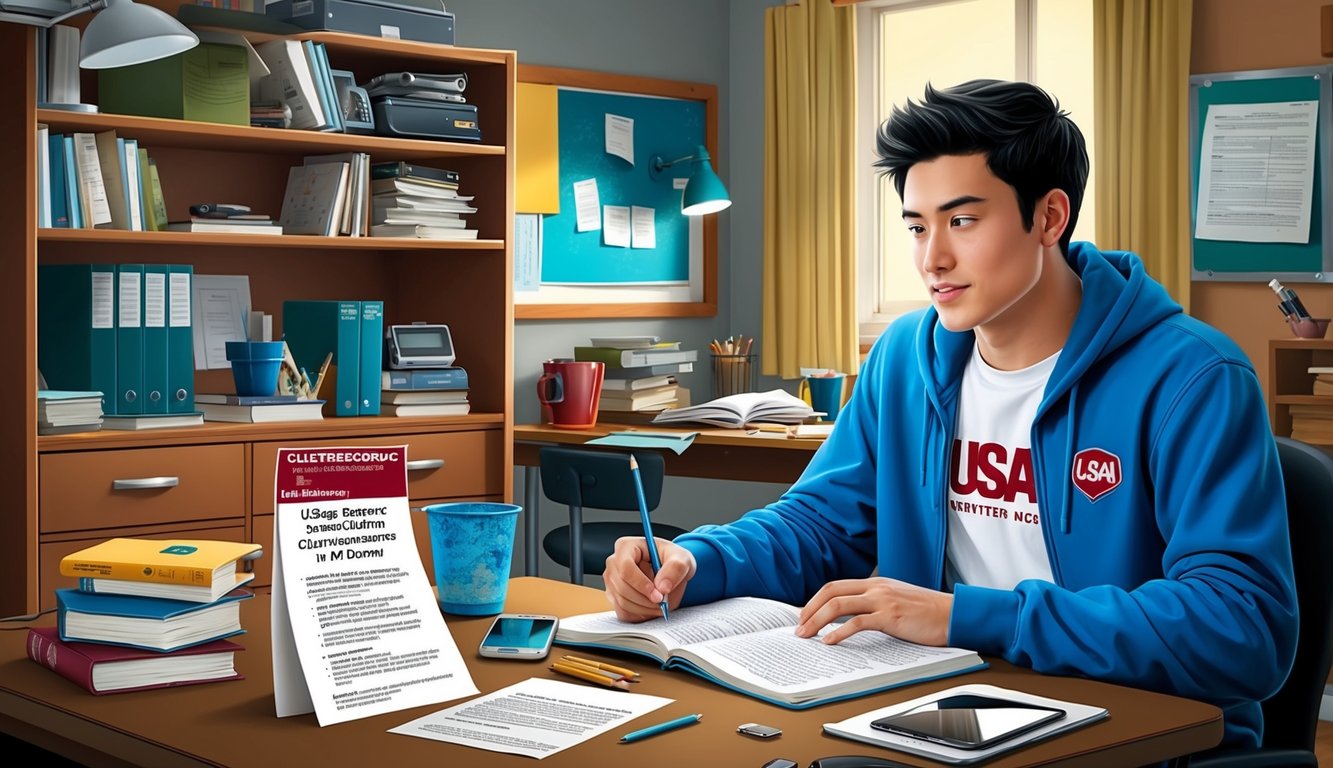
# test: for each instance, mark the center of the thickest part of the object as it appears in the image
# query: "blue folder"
(130, 396)
(313, 329)
(372, 356)
(59, 191)
(76, 332)
(180, 340)
(155, 278)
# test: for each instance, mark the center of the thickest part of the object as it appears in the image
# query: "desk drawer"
(76, 491)
(461, 464)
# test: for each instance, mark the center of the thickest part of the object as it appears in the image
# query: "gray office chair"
(1291, 715)
(582, 477)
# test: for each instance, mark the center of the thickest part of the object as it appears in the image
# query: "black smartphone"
(968, 721)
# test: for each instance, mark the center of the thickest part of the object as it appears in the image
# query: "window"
(906, 43)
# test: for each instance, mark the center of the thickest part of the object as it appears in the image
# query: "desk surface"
(233, 723)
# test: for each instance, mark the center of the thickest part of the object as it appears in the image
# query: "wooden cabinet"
(1291, 383)
(57, 492)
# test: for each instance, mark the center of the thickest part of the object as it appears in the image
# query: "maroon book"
(116, 669)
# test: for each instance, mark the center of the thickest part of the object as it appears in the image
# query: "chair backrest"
(1292, 714)
(582, 477)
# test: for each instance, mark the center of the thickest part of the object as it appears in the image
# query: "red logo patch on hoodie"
(1096, 472)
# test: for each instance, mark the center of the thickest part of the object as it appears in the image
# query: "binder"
(180, 340)
(313, 329)
(76, 330)
(372, 345)
(155, 338)
(129, 340)
(57, 182)
(72, 185)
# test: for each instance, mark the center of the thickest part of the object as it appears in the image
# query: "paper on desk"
(858, 728)
(534, 718)
(674, 441)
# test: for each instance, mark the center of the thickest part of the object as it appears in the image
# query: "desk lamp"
(123, 34)
(704, 192)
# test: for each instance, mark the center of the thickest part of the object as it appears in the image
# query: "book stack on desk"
(147, 614)
(641, 373)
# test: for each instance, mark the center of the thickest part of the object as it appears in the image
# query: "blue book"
(180, 340)
(72, 185)
(59, 194)
(225, 399)
(76, 329)
(313, 330)
(327, 87)
(372, 344)
(130, 397)
(452, 378)
(155, 343)
(153, 623)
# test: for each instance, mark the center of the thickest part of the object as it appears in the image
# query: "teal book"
(155, 343)
(313, 330)
(154, 623)
(130, 397)
(76, 329)
(72, 185)
(59, 194)
(180, 340)
(330, 92)
(372, 356)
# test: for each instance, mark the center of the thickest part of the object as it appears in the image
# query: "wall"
(694, 40)
(1237, 35)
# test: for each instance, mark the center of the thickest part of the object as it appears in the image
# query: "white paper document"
(220, 304)
(535, 718)
(527, 251)
(356, 629)
(587, 206)
(620, 137)
(643, 223)
(615, 225)
(1256, 172)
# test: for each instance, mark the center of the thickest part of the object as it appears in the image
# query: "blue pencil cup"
(472, 544)
(254, 366)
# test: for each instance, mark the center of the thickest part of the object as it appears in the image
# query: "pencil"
(601, 665)
(583, 673)
(587, 667)
(647, 526)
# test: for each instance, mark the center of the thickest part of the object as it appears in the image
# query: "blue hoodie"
(1176, 579)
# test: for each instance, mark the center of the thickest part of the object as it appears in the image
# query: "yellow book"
(197, 562)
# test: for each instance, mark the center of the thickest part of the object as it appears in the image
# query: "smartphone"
(968, 721)
(519, 636)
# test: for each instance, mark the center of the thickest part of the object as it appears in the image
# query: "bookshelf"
(1290, 382)
(56, 490)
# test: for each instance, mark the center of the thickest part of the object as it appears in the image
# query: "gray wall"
(696, 40)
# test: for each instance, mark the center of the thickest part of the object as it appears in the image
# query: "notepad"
(672, 441)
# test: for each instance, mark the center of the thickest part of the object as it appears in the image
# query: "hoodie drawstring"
(1067, 483)
(926, 427)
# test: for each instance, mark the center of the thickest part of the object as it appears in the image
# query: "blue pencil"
(647, 524)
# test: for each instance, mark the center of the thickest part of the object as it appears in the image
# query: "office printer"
(425, 21)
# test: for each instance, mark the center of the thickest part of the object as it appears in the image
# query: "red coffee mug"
(569, 392)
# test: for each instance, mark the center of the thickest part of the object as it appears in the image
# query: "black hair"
(1029, 143)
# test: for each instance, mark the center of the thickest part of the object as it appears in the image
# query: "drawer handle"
(413, 466)
(141, 483)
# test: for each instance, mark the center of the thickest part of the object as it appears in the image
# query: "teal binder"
(76, 331)
(372, 346)
(180, 340)
(130, 397)
(313, 329)
(59, 194)
(155, 338)
(72, 185)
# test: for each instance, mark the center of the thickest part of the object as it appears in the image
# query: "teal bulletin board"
(1310, 261)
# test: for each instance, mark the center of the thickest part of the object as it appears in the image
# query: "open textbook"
(748, 644)
(735, 411)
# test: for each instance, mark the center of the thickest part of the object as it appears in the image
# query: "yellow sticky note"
(537, 149)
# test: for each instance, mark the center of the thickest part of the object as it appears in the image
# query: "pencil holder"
(733, 374)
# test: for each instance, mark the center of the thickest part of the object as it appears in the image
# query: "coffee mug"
(569, 391)
(824, 393)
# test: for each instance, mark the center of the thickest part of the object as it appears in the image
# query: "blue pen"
(647, 524)
(653, 730)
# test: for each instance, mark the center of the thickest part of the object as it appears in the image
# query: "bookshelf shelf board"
(109, 236)
(1304, 399)
(160, 132)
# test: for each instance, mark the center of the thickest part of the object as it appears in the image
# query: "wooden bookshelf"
(1290, 382)
(55, 489)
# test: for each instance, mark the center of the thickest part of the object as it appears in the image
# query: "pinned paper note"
(615, 225)
(643, 225)
(527, 251)
(620, 137)
(587, 205)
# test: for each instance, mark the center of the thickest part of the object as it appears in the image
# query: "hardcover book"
(735, 411)
(103, 669)
(195, 562)
(747, 644)
(165, 590)
(146, 622)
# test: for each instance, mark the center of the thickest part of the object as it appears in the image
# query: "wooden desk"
(718, 454)
(233, 723)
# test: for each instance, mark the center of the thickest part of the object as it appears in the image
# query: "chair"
(580, 477)
(1291, 714)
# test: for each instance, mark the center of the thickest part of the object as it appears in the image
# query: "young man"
(1052, 464)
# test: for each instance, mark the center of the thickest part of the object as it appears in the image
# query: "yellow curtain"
(1141, 57)
(809, 277)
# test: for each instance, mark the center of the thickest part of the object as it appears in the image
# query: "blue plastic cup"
(826, 394)
(254, 366)
(472, 544)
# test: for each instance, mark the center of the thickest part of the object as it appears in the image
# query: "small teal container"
(254, 367)
(472, 544)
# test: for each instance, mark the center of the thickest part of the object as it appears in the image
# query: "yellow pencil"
(601, 665)
(583, 673)
(595, 670)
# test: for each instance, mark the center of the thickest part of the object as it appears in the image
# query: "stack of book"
(328, 195)
(415, 201)
(1323, 379)
(425, 392)
(1313, 422)
(258, 410)
(62, 411)
(87, 180)
(641, 372)
(147, 614)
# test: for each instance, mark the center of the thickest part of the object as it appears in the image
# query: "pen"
(1288, 295)
(583, 673)
(601, 665)
(647, 525)
(653, 730)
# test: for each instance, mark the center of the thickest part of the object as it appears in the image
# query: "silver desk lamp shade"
(126, 33)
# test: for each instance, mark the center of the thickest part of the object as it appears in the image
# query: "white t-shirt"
(995, 537)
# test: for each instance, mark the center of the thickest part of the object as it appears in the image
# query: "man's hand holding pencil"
(634, 591)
